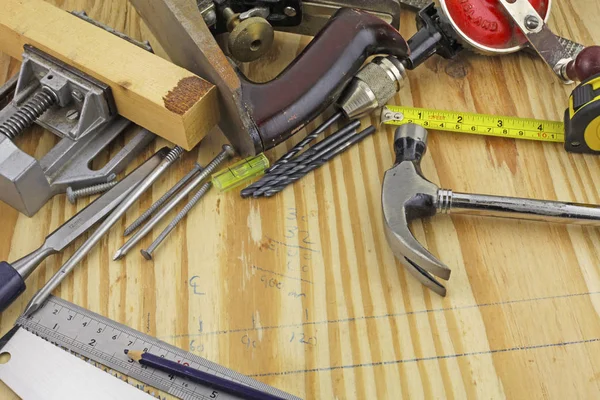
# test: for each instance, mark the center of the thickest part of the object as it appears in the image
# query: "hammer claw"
(405, 246)
(424, 277)
(407, 196)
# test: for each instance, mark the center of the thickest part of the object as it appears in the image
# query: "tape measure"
(477, 124)
(582, 118)
(103, 341)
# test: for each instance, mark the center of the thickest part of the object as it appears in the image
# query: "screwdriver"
(12, 277)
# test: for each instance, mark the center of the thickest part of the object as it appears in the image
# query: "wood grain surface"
(302, 292)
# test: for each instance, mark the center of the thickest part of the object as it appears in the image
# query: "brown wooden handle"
(317, 77)
(586, 65)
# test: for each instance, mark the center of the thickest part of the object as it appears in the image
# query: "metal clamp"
(26, 184)
(84, 104)
(85, 117)
(75, 107)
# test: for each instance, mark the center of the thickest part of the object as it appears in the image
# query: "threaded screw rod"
(203, 190)
(142, 218)
(73, 195)
(304, 142)
(196, 181)
(26, 115)
(320, 160)
(104, 227)
(285, 168)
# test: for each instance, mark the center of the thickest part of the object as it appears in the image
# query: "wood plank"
(148, 90)
(522, 315)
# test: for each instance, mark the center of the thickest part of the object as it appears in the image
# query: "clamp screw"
(77, 95)
(532, 22)
(29, 113)
(72, 115)
(73, 195)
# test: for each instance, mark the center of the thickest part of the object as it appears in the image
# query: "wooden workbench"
(302, 292)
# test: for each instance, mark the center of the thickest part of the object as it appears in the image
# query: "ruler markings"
(490, 125)
(104, 341)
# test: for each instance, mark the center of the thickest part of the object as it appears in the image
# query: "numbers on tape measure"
(512, 127)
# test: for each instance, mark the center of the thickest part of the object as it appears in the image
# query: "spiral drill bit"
(304, 142)
(318, 160)
(298, 163)
(290, 165)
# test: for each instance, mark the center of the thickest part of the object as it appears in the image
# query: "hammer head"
(406, 196)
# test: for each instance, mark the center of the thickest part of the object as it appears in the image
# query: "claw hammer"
(407, 195)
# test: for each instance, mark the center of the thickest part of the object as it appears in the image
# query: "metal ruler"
(477, 124)
(104, 341)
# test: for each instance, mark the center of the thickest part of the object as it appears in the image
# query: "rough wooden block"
(150, 91)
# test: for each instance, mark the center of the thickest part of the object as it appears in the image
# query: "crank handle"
(585, 65)
(548, 46)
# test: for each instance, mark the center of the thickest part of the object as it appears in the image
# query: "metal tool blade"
(98, 209)
(88, 217)
(103, 340)
(38, 369)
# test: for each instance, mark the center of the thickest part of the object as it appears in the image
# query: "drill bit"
(304, 142)
(318, 160)
(284, 168)
(298, 163)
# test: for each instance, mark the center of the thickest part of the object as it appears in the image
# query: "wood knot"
(457, 69)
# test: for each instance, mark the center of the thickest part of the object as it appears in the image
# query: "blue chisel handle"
(12, 285)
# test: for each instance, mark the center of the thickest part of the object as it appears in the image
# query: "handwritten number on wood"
(194, 283)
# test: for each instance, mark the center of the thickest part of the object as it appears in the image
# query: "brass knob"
(249, 39)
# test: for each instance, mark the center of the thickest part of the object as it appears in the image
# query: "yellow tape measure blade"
(476, 124)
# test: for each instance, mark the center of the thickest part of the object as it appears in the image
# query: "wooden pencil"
(204, 378)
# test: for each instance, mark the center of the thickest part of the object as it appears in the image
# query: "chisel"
(12, 276)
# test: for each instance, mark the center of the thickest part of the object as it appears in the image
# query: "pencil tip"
(134, 355)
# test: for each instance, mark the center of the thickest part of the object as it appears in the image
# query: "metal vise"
(75, 107)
